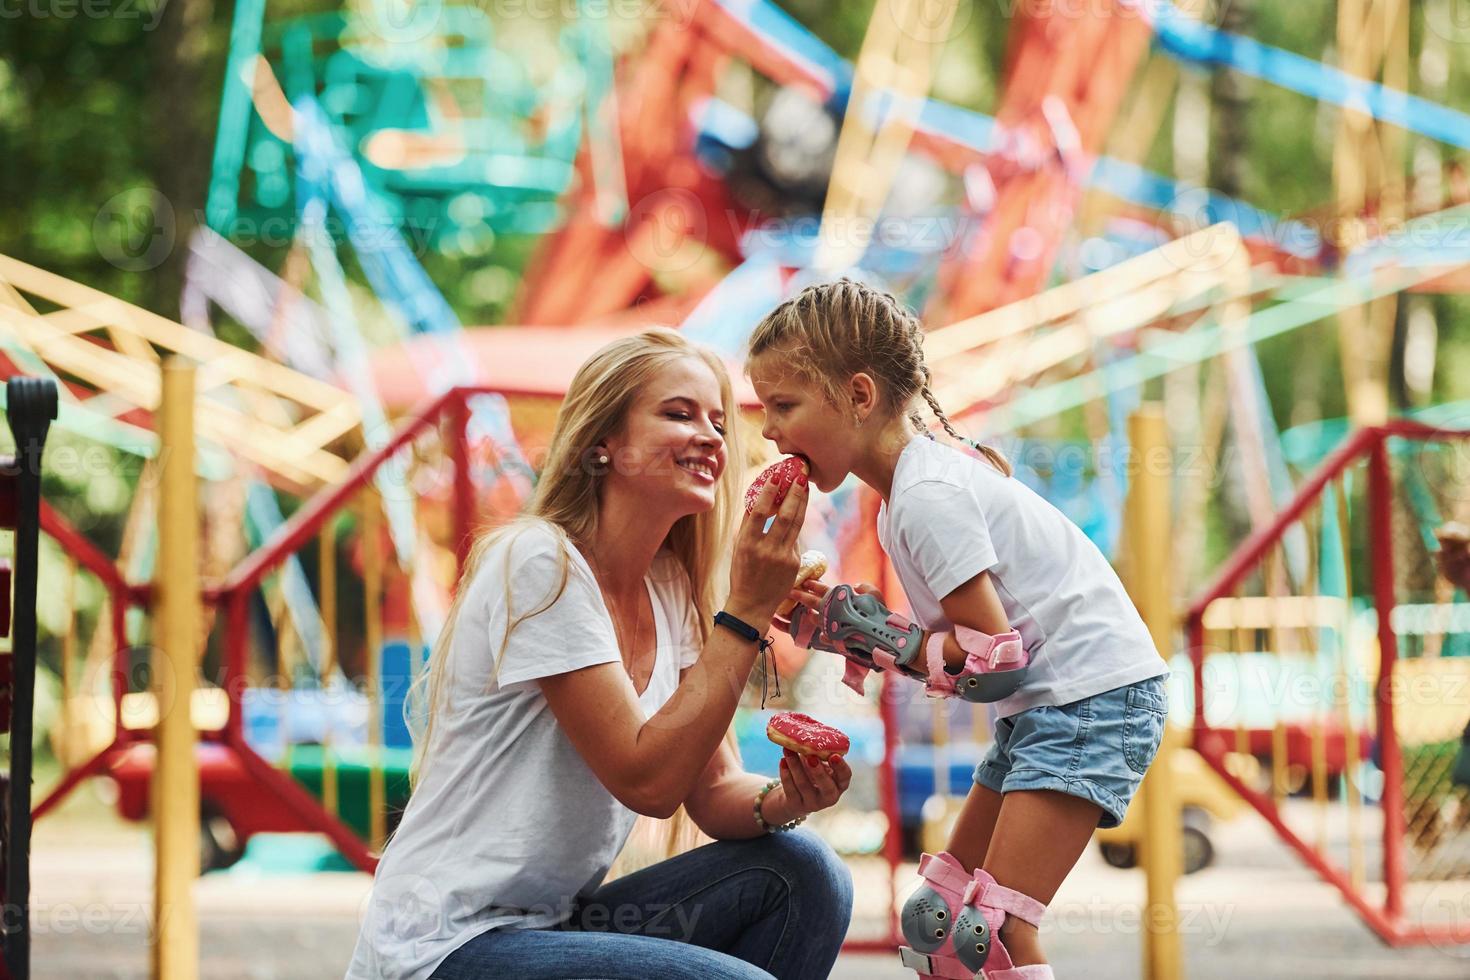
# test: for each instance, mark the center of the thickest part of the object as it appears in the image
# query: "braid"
(991, 456)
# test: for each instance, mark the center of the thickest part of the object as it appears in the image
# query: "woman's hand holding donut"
(808, 784)
(765, 561)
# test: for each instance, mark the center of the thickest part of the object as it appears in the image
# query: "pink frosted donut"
(805, 735)
(784, 473)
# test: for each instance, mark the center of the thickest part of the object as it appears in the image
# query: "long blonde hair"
(832, 330)
(566, 497)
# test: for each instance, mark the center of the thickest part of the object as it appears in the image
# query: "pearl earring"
(601, 459)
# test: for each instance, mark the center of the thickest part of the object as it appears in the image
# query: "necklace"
(628, 653)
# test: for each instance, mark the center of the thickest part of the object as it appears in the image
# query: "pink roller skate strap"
(1003, 651)
(983, 892)
(941, 681)
(803, 626)
(1036, 971)
(855, 676)
(945, 873)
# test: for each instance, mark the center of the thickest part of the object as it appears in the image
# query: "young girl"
(586, 677)
(839, 369)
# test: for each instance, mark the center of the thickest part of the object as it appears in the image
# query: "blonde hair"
(833, 330)
(566, 497)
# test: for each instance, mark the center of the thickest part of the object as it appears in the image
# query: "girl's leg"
(781, 902)
(547, 954)
(1037, 840)
(969, 841)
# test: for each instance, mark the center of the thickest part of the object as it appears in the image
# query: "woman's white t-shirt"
(508, 825)
(951, 515)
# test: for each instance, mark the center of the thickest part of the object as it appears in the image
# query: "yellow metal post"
(175, 662)
(1149, 534)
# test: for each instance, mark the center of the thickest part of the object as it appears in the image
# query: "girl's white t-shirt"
(951, 515)
(508, 825)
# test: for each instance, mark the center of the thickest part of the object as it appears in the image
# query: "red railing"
(1371, 447)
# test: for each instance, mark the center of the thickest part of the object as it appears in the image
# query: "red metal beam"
(1245, 558)
(1380, 532)
(306, 522)
(1212, 750)
(1084, 64)
(306, 807)
(464, 484)
(1371, 442)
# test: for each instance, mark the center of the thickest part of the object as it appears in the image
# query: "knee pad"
(952, 921)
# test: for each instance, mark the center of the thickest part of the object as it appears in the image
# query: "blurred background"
(387, 232)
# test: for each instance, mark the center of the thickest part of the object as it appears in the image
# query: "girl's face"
(671, 450)
(802, 422)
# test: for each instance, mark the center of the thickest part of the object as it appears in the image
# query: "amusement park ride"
(661, 198)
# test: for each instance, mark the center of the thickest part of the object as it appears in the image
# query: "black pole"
(31, 405)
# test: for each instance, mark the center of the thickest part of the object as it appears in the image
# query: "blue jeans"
(777, 905)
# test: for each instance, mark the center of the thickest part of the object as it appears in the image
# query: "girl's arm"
(977, 605)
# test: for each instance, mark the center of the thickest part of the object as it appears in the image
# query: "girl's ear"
(863, 391)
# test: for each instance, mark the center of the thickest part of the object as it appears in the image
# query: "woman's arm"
(652, 764)
(723, 801)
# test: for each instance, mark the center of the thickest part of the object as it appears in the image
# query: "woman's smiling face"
(671, 451)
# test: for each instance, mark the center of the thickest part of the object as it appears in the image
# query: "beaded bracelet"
(760, 821)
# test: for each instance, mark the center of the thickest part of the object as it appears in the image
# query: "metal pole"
(32, 406)
(175, 800)
(464, 484)
(1380, 531)
(1149, 536)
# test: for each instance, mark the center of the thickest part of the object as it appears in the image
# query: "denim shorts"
(1097, 748)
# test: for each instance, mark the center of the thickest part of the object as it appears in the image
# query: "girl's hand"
(812, 591)
(809, 784)
(765, 562)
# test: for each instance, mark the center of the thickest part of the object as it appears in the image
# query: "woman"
(580, 682)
